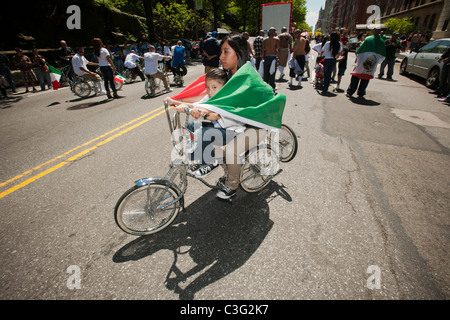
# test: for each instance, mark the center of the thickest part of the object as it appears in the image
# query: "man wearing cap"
(211, 52)
(392, 47)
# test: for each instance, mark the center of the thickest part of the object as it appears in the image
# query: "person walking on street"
(392, 47)
(342, 66)
(6, 72)
(42, 69)
(285, 49)
(370, 53)
(330, 51)
(65, 54)
(270, 53)
(118, 58)
(211, 52)
(257, 48)
(299, 56)
(415, 41)
(24, 63)
(107, 67)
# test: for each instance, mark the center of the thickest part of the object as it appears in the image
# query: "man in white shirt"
(151, 59)
(80, 63)
(130, 63)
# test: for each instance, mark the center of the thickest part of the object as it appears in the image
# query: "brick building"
(429, 16)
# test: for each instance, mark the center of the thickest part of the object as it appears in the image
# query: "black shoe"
(204, 171)
(192, 168)
(226, 193)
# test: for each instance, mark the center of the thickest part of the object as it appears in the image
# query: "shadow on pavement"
(216, 237)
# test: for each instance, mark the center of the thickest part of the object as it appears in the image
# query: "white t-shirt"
(102, 61)
(167, 52)
(327, 50)
(151, 62)
(130, 60)
(77, 62)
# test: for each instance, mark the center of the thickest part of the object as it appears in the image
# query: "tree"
(400, 25)
(149, 19)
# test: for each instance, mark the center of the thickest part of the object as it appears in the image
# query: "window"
(442, 46)
(425, 21)
(433, 18)
(430, 48)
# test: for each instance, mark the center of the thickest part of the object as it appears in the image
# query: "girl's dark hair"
(217, 74)
(240, 45)
(97, 43)
(334, 43)
(307, 47)
(325, 40)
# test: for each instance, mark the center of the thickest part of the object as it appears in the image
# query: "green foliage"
(174, 20)
(400, 25)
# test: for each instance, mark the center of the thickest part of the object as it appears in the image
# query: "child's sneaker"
(226, 193)
(192, 168)
(204, 171)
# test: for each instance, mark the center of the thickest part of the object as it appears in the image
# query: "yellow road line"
(76, 148)
(82, 153)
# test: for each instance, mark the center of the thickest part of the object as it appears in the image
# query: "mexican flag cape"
(55, 75)
(369, 55)
(248, 99)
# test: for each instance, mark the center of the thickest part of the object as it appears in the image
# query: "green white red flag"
(119, 78)
(370, 54)
(247, 98)
(55, 76)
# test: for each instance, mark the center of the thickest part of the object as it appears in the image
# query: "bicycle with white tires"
(152, 204)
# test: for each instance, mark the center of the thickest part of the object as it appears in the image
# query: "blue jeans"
(44, 79)
(207, 136)
(390, 71)
(7, 73)
(328, 67)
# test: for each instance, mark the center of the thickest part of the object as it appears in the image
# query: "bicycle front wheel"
(82, 89)
(118, 85)
(147, 209)
(258, 169)
(150, 87)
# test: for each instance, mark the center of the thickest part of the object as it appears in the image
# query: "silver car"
(424, 63)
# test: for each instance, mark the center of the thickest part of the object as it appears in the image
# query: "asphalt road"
(360, 213)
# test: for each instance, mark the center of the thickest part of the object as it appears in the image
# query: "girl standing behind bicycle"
(106, 66)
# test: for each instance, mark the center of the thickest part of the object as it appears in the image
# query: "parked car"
(424, 62)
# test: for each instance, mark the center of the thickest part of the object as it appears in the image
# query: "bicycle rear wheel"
(82, 89)
(147, 209)
(288, 143)
(259, 167)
